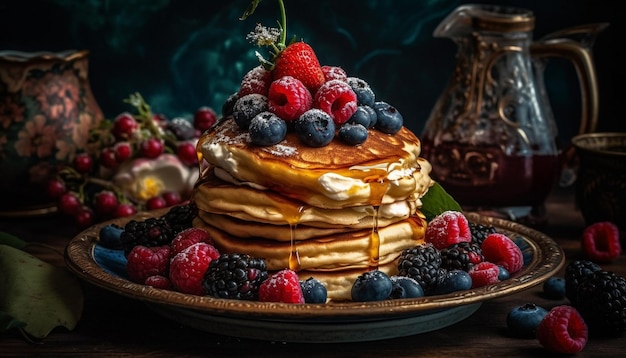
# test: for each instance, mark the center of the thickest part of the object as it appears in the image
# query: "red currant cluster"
(89, 191)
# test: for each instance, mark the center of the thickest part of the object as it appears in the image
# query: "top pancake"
(384, 169)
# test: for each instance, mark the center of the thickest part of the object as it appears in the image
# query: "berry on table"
(186, 152)
(522, 321)
(83, 163)
(364, 93)
(108, 158)
(124, 125)
(156, 202)
(454, 280)
(204, 118)
(563, 330)
(188, 237)
(364, 115)
(554, 288)
(405, 287)
(110, 236)
(235, 276)
(159, 281)
(575, 272)
(55, 188)
(283, 286)
(105, 203)
(372, 285)
(84, 218)
(124, 210)
(484, 273)
(423, 264)
(601, 300)
(151, 148)
(69, 204)
(171, 198)
(600, 242)
(123, 151)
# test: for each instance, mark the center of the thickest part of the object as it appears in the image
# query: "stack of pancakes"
(331, 213)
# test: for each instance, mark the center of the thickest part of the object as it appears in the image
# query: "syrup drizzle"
(293, 218)
(378, 191)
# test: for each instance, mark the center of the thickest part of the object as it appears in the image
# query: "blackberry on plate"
(461, 256)
(423, 264)
(235, 276)
(180, 217)
(575, 272)
(480, 232)
(601, 300)
(150, 232)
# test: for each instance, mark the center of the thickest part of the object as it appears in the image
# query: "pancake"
(346, 250)
(266, 206)
(386, 170)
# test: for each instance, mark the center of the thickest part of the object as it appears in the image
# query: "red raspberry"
(484, 273)
(188, 267)
(283, 286)
(288, 98)
(337, 99)
(600, 242)
(448, 228)
(334, 73)
(501, 250)
(144, 262)
(158, 281)
(257, 80)
(188, 237)
(563, 330)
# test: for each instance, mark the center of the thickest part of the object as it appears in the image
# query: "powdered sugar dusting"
(281, 150)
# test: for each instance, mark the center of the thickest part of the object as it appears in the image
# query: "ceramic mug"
(601, 180)
(46, 111)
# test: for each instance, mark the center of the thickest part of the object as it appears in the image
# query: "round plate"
(330, 322)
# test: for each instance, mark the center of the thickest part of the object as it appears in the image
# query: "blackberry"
(575, 272)
(180, 217)
(461, 256)
(601, 300)
(235, 276)
(181, 128)
(480, 232)
(151, 232)
(423, 264)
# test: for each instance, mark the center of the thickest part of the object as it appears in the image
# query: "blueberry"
(405, 287)
(315, 128)
(554, 288)
(266, 128)
(455, 280)
(527, 250)
(353, 134)
(522, 321)
(362, 116)
(313, 290)
(503, 274)
(389, 120)
(229, 104)
(247, 107)
(110, 236)
(364, 94)
(371, 286)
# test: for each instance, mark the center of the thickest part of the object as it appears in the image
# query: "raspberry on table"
(448, 228)
(283, 286)
(563, 330)
(600, 242)
(288, 98)
(337, 99)
(188, 237)
(188, 267)
(144, 262)
(501, 250)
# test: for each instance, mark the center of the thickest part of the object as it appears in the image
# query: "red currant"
(83, 163)
(84, 217)
(151, 148)
(107, 158)
(55, 188)
(171, 198)
(69, 204)
(105, 202)
(157, 202)
(124, 125)
(123, 151)
(186, 152)
(204, 118)
(125, 209)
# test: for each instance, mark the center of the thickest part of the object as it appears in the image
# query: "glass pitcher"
(491, 136)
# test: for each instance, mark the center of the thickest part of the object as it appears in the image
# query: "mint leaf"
(11, 240)
(436, 201)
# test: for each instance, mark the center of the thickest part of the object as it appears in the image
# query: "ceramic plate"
(331, 322)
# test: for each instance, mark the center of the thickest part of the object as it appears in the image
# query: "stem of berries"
(266, 36)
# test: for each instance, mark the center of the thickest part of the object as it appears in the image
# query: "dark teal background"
(188, 53)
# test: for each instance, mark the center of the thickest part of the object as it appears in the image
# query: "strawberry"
(299, 61)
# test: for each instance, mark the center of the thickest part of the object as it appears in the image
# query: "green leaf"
(436, 201)
(41, 295)
(250, 9)
(11, 240)
(7, 322)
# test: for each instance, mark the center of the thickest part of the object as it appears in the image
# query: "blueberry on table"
(405, 287)
(554, 288)
(371, 286)
(313, 290)
(522, 321)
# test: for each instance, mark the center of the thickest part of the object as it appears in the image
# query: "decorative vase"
(47, 109)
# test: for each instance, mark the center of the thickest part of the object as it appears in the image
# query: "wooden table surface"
(116, 326)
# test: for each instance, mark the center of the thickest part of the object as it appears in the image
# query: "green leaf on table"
(41, 295)
(436, 201)
(11, 240)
